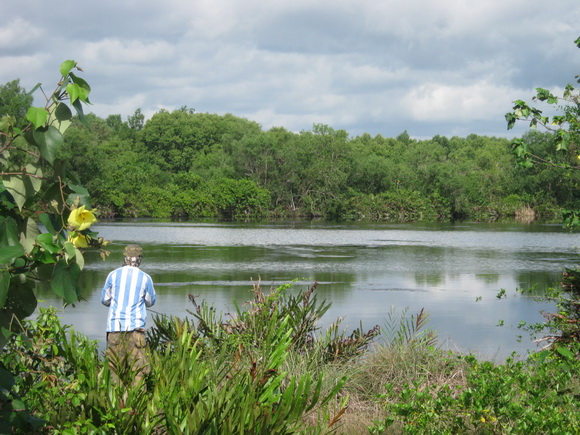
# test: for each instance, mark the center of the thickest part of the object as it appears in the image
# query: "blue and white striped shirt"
(127, 292)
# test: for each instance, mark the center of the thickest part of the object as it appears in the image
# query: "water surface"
(454, 271)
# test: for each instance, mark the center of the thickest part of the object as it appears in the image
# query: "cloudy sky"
(449, 67)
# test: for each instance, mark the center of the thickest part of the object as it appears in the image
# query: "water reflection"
(453, 271)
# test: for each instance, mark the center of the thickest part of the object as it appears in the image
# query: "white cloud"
(18, 33)
(460, 103)
(115, 51)
(366, 66)
(124, 105)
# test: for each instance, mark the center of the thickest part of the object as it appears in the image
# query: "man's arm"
(149, 293)
(106, 293)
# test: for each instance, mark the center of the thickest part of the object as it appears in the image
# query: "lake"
(454, 271)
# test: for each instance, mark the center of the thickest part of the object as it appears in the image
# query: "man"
(127, 292)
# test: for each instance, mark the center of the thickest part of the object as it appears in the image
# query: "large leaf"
(23, 186)
(63, 112)
(81, 193)
(74, 92)
(49, 222)
(15, 185)
(4, 286)
(79, 108)
(53, 195)
(34, 174)
(28, 236)
(64, 281)
(37, 116)
(20, 302)
(67, 67)
(8, 232)
(8, 253)
(62, 118)
(6, 379)
(49, 141)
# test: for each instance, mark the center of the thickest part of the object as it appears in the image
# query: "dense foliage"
(187, 165)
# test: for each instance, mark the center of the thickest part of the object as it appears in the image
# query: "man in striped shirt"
(128, 291)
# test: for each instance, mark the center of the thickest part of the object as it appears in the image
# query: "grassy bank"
(267, 369)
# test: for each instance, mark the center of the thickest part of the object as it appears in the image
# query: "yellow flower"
(482, 419)
(80, 241)
(81, 219)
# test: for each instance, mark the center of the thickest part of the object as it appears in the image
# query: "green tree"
(176, 139)
(137, 120)
(14, 101)
(564, 129)
(564, 138)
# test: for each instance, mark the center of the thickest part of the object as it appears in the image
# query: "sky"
(428, 67)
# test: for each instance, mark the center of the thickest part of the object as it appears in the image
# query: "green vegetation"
(268, 369)
(187, 165)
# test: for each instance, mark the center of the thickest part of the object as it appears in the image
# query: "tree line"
(188, 165)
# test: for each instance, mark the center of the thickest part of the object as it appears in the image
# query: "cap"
(133, 251)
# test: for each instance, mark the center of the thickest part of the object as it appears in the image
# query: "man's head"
(133, 255)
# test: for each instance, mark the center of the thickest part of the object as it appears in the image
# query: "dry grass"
(395, 366)
(526, 214)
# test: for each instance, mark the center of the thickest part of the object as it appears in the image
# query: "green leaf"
(63, 112)
(511, 120)
(15, 185)
(37, 116)
(74, 92)
(79, 258)
(67, 66)
(78, 189)
(86, 89)
(24, 186)
(542, 356)
(8, 232)
(565, 352)
(4, 286)
(33, 90)
(46, 240)
(49, 141)
(29, 235)
(47, 221)
(79, 108)
(69, 248)
(18, 405)
(34, 177)
(81, 193)
(8, 253)
(6, 379)
(21, 301)
(64, 281)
